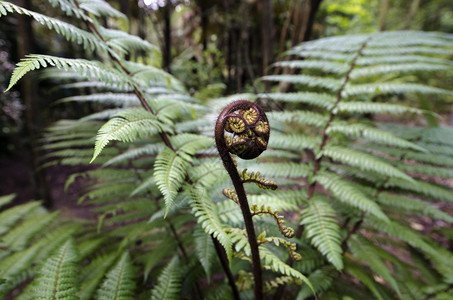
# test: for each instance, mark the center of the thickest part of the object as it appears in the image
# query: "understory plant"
(356, 164)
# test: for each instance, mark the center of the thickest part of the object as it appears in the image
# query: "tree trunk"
(413, 10)
(267, 33)
(28, 94)
(382, 13)
(167, 36)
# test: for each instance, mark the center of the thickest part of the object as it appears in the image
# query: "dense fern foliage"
(352, 185)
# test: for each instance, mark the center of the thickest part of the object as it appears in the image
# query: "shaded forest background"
(214, 47)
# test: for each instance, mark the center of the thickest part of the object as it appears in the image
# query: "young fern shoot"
(247, 134)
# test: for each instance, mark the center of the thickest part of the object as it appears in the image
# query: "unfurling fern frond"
(318, 218)
(170, 170)
(119, 283)
(58, 275)
(169, 282)
(259, 181)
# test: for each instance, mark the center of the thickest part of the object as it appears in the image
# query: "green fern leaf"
(205, 210)
(169, 282)
(391, 88)
(330, 84)
(70, 32)
(126, 127)
(90, 69)
(302, 117)
(316, 99)
(116, 99)
(345, 192)
(204, 250)
(377, 60)
(58, 275)
(371, 134)
(318, 218)
(323, 65)
(100, 8)
(6, 199)
(397, 68)
(376, 108)
(170, 170)
(359, 246)
(363, 161)
(17, 238)
(119, 282)
(271, 260)
(295, 142)
(10, 216)
(413, 205)
(322, 280)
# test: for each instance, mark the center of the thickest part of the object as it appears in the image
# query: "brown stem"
(226, 267)
(237, 182)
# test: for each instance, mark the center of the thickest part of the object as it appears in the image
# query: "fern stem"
(251, 150)
(226, 267)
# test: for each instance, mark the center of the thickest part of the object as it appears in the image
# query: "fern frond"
(397, 68)
(316, 99)
(345, 192)
(376, 108)
(437, 192)
(116, 99)
(405, 50)
(170, 170)
(169, 282)
(294, 142)
(6, 199)
(134, 153)
(355, 271)
(375, 60)
(17, 238)
(361, 249)
(322, 279)
(205, 210)
(290, 169)
(302, 117)
(413, 205)
(318, 218)
(119, 282)
(330, 84)
(94, 272)
(204, 249)
(426, 170)
(89, 69)
(70, 32)
(58, 275)
(323, 65)
(371, 134)
(124, 41)
(271, 260)
(126, 127)
(391, 88)
(69, 7)
(191, 143)
(100, 8)
(363, 161)
(10, 216)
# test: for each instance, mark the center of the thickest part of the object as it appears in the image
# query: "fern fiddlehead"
(242, 128)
